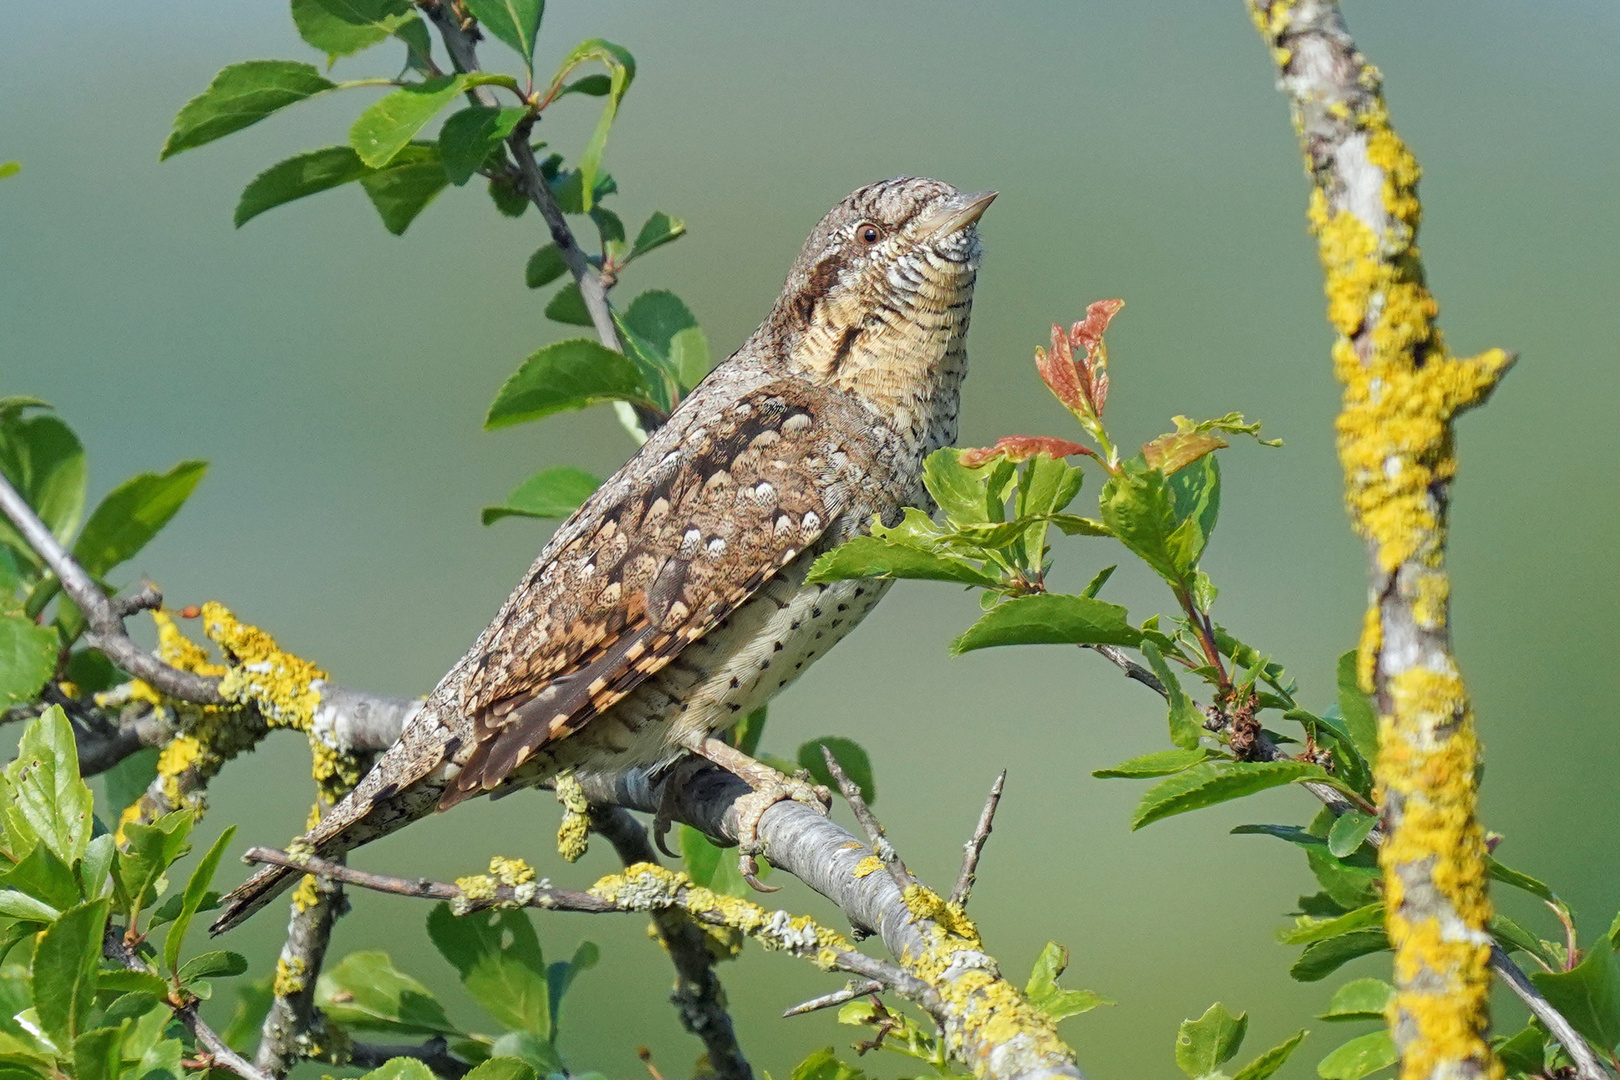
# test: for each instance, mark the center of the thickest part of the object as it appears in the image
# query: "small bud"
(190, 611)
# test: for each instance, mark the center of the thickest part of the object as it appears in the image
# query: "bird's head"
(877, 301)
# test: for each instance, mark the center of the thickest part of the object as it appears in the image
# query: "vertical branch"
(1402, 390)
(698, 996)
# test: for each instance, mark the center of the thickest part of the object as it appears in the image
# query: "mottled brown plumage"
(674, 599)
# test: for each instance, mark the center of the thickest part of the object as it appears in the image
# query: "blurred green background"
(337, 376)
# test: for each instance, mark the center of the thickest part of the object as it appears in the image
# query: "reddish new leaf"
(1179, 449)
(1059, 373)
(1022, 448)
(1089, 332)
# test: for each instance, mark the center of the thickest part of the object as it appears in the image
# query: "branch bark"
(1402, 391)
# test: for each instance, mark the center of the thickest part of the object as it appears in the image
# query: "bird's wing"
(657, 565)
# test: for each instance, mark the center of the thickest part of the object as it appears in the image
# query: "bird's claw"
(751, 808)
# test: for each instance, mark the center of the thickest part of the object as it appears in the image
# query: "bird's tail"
(383, 802)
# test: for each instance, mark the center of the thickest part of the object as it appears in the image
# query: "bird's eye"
(868, 233)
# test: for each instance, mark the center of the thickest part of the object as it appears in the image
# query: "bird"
(674, 600)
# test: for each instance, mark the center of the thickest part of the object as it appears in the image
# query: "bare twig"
(837, 997)
(542, 896)
(435, 1054)
(113, 947)
(881, 848)
(106, 622)
(975, 845)
(698, 997)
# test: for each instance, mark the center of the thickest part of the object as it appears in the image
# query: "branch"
(987, 1024)
(698, 997)
(113, 947)
(882, 850)
(435, 1054)
(106, 621)
(1402, 391)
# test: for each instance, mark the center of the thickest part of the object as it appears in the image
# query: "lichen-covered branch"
(1402, 390)
(698, 996)
(987, 1023)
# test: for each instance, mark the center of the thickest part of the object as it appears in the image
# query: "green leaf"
(855, 762)
(1098, 580)
(1509, 876)
(132, 513)
(344, 27)
(196, 891)
(20, 905)
(1270, 1061)
(1323, 958)
(169, 910)
(965, 495)
(242, 95)
(1186, 722)
(1046, 486)
(1049, 619)
(27, 658)
(514, 22)
(549, 493)
(9, 169)
(388, 125)
(469, 137)
(1360, 1056)
(1166, 521)
(149, 851)
(621, 71)
(689, 356)
(304, 174)
(403, 189)
(498, 957)
(1588, 995)
(544, 267)
(1205, 1044)
(132, 981)
(1349, 831)
(1045, 994)
(538, 1052)
(710, 866)
(502, 1068)
(1360, 999)
(1360, 718)
(566, 375)
(66, 960)
(1514, 938)
(213, 965)
(568, 307)
(824, 1065)
(96, 1054)
(1308, 930)
(400, 1068)
(1525, 1052)
(48, 800)
(871, 556)
(561, 975)
(1216, 782)
(44, 877)
(656, 317)
(1159, 763)
(656, 231)
(1331, 729)
(42, 458)
(377, 996)
(127, 781)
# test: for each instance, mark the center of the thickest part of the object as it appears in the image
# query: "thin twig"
(699, 999)
(975, 845)
(837, 997)
(113, 947)
(422, 888)
(106, 621)
(1116, 656)
(881, 847)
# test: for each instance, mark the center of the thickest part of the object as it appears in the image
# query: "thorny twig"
(975, 845)
(881, 847)
(837, 997)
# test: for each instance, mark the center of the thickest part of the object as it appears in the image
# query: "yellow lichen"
(512, 872)
(867, 866)
(308, 893)
(573, 835)
(478, 886)
(278, 682)
(290, 973)
(924, 903)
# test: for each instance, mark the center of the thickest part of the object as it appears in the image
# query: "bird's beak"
(957, 214)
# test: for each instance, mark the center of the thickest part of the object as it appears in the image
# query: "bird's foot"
(769, 788)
